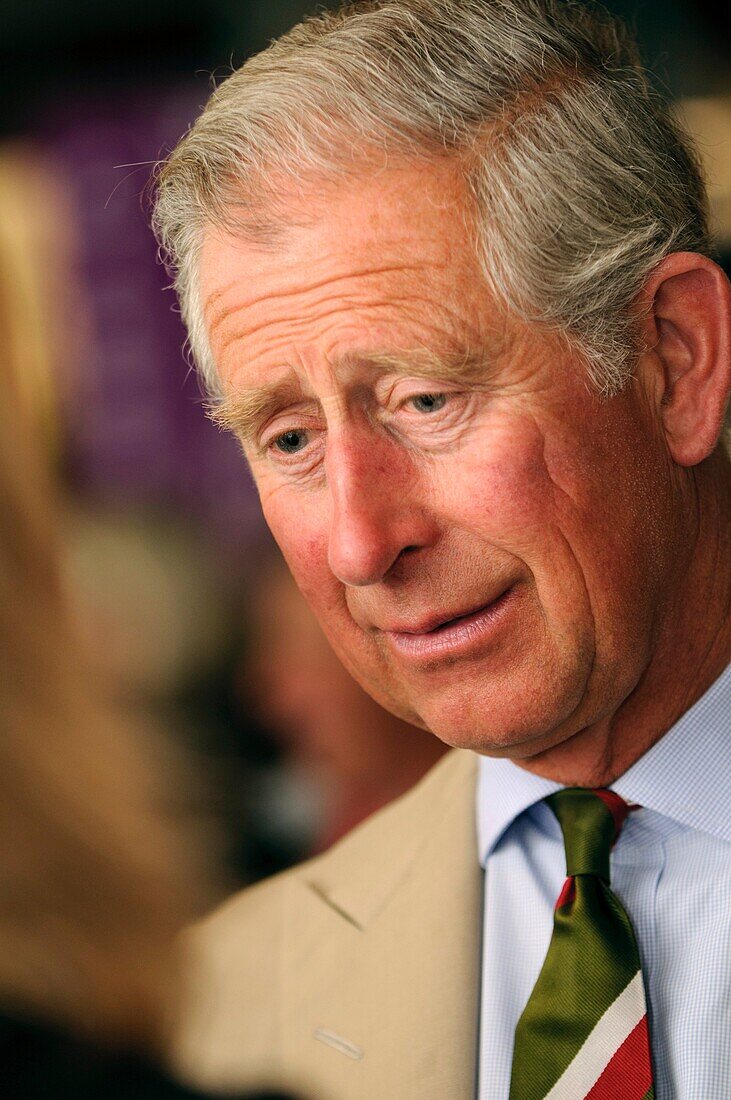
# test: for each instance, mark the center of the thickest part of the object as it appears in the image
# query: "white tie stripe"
(617, 1023)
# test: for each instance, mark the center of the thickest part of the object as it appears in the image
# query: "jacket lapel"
(382, 951)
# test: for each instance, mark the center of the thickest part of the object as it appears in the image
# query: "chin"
(503, 720)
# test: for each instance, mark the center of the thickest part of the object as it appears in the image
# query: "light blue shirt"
(671, 868)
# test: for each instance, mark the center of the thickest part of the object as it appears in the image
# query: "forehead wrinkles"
(406, 293)
(303, 278)
(352, 243)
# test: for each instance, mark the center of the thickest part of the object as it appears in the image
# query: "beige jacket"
(354, 976)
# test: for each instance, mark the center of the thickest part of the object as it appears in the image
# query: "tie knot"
(590, 822)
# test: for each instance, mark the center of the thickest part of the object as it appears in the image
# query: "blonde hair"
(95, 878)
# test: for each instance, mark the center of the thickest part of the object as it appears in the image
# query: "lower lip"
(460, 636)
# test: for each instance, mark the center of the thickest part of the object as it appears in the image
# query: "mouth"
(436, 636)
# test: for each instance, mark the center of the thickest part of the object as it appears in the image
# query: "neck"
(691, 649)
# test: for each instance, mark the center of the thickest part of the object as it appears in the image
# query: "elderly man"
(445, 267)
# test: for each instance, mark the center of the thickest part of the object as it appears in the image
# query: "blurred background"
(188, 611)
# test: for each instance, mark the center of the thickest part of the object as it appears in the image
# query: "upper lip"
(439, 618)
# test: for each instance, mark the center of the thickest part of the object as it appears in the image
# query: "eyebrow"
(243, 411)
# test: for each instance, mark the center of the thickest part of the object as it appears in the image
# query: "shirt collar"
(686, 776)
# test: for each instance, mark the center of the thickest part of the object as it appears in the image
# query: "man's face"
(484, 541)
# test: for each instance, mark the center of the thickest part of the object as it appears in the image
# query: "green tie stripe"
(586, 1019)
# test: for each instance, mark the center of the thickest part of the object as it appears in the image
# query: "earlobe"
(687, 309)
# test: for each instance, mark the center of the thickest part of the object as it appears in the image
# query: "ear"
(686, 309)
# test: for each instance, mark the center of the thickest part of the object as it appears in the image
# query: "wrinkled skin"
(404, 494)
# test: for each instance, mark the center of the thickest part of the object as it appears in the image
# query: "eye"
(429, 402)
(292, 441)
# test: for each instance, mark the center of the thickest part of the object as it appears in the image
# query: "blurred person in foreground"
(445, 264)
(353, 756)
(97, 872)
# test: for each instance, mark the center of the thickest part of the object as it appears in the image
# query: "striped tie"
(583, 1034)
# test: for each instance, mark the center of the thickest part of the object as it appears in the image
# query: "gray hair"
(582, 181)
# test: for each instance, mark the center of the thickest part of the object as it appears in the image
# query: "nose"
(377, 515)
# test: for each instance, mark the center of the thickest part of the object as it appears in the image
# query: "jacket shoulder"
(232, 963)
(260, 909)
(235, 958)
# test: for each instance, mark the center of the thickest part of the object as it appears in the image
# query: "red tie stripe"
(628, 1074)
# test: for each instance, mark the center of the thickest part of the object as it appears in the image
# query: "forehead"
(385, 261)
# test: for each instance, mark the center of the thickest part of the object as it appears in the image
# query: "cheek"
(501, 489)
(300, 529)
(553, 498)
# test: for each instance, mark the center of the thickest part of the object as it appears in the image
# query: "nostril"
(401, 556)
